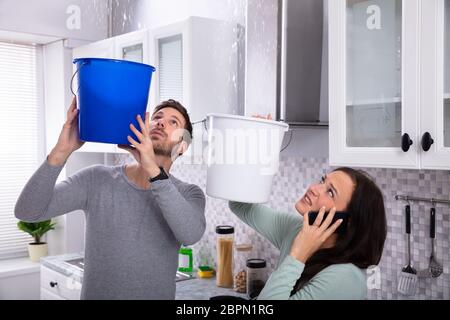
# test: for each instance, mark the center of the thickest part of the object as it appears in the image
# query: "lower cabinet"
(47, 295)
(58, 286)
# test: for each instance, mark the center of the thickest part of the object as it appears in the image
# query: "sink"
(180, 276)
(79, 263)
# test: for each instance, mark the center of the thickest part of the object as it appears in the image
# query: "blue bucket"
(111, 93)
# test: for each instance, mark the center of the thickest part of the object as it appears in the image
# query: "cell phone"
(344, 215)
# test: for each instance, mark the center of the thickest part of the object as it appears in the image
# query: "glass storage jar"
(242, 253)
(225, 240)
(256, 277)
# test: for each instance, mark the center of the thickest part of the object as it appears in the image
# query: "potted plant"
(36, 249)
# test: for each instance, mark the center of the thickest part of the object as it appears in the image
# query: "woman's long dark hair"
(362, 243)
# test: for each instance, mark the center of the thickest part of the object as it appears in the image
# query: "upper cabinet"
(197, 64)
(132, 47)
(387, 96)
(100, 49)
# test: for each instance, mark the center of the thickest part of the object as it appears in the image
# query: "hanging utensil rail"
(420, 199)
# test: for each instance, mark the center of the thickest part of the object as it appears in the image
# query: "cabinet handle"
(432, 223)
(427, 141)
(53, 284)
(406, 142)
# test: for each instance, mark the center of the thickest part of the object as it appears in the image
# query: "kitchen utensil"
(407, 283)
(435, 267)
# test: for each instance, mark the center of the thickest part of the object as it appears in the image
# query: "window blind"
(20, 138)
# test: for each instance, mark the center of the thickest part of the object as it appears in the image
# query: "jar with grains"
(242, 252)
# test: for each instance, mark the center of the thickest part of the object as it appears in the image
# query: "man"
(137, 216)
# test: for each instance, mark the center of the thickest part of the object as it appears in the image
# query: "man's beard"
(162, 150)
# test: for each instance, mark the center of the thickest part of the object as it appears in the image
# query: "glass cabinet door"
(170, 62)
(435, 85)
(133, 53)
(374, 83)
(374, 73)
(447, 74)
(132, 46)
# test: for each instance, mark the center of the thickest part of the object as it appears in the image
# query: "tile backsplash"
(296, 174)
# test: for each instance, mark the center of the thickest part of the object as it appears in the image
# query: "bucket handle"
(198, 121)
(282, 149)
(289, 142)
(73, 76)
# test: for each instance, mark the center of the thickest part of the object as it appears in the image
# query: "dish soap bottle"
(185, 261)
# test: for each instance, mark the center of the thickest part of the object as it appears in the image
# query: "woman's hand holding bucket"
(143, 151)
(69, 139)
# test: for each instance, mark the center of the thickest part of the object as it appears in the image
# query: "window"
(21, 131)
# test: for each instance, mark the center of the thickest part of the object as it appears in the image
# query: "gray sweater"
(132, 235)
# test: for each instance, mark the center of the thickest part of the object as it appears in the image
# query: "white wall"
(76, 19)
(138, 14)
(20, 287)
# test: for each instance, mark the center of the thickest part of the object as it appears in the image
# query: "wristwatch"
(161, 176)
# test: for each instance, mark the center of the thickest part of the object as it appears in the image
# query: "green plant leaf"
(36, 229)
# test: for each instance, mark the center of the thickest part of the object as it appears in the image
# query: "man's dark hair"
(179, 107)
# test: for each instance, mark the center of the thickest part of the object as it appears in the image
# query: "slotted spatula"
(407, 282)
(435, 267)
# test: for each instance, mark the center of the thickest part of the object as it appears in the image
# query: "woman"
(315, 262)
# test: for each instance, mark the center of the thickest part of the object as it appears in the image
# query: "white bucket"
(243, 157)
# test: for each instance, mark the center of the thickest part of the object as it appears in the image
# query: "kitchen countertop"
(202, 289)
(59, 264)
(191, 289)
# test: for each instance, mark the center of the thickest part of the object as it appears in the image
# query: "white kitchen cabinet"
(57, 286)
(387, 83)
(48, 295)
(196, 63)
(100, 49)
(132, 46)
(435, 82)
